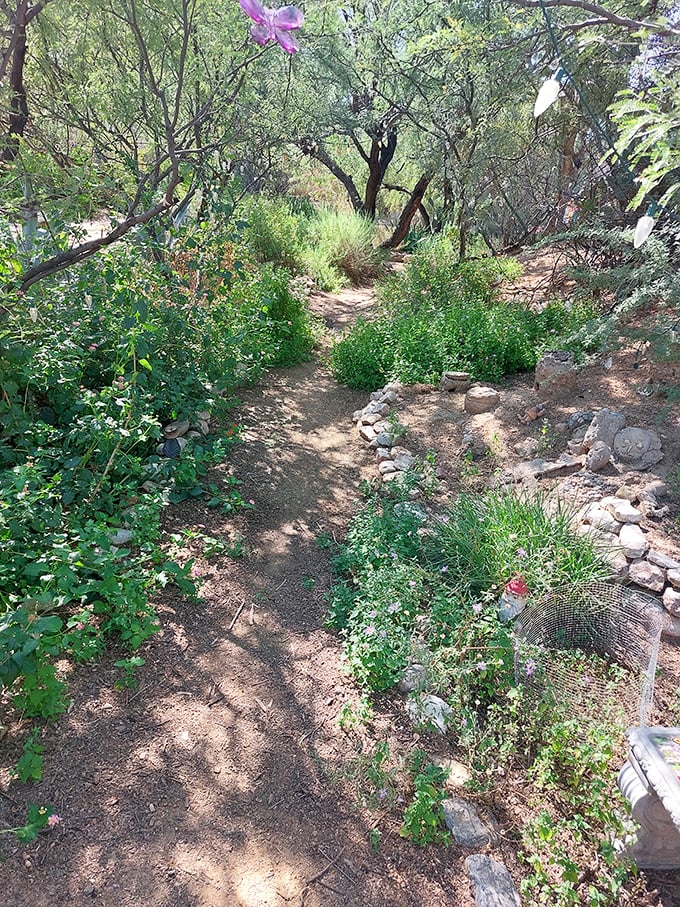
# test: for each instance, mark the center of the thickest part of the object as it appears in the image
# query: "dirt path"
(212, 782)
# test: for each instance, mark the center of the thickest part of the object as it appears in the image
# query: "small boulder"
(580, 420)
(120, 537)
(464, 823)
(633, 541)
(386, 467)
(662, 560)
(644, 574)
(527, 449)
(624, 512)
(177, 429)
(413, 679)
(605, 426)
(481, 399)
(671, 601)
(491, 882)
(555, 375)
(598, 456)
(638, 446)
(673, 577)
(367, 432)
(654, 491)
(429, 711)
(456, 382)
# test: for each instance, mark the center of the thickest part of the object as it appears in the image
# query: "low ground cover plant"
(417, 590)
(443, 315)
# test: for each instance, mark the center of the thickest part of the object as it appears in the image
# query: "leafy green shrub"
(424, 816)
(440, 316)
(274, 232)
(117, 347)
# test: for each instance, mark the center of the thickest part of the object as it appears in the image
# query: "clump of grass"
(484, 541)
(345, 241)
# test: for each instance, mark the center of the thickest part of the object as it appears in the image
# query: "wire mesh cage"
(592, 647)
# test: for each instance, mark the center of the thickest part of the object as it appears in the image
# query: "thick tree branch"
(602, 13)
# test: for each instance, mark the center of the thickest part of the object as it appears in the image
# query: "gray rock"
(473, 445)
(367, 432)
(491, 882)
(177, 429)
(644, 574)
(597, 516)
(370, 418)
(457, 382)
(580, 420)
(662, 560)
(389, 397)
(618, 562)
(527, 448)
(398, 451)
(638, 446)
(481, 399)
(386, 467)
(598, 457)
(671, 627)
(464, 823)
(384, 439)
(627, 493)
(656, 489)
(555, 375)
(429, 711)
(671, 601)
(624, 512)
(673, 577)
(357, 414)
(414, 679)
(411, 508)
(382, 454)
(562, 466)
(605, 426)
(393, 387)
(403, 462)
(121, 537)
(633, 541)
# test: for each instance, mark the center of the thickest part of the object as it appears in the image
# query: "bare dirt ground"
(224, 779)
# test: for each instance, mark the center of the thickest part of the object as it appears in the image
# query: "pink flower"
(370, 630)
(393, 607)
(92, 347)
(273, 24)
(53, 820)
(477, 608)
(80, 625)
(412, 583)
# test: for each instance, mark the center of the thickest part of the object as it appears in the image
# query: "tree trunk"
(409, 212)
(321, 155)
(379, 160)
(18, 104)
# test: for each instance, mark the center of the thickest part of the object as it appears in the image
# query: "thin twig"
(236, 616)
